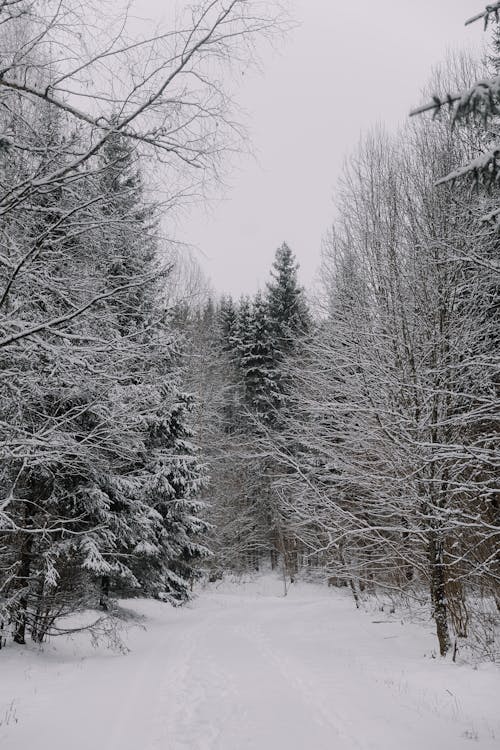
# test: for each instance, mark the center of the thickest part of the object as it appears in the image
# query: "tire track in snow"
(319, 710)
(273, 706)
(195, 701)
(140, 714)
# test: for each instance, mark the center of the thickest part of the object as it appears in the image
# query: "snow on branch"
(490, 10)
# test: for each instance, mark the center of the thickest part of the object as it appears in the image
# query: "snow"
(244, 668)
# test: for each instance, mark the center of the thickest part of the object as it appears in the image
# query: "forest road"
(248, 669)
(253, 670)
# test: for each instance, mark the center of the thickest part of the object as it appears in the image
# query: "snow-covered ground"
(243, 668)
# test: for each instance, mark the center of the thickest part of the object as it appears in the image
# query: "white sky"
(349, 65)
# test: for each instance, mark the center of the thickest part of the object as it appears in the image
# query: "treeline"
(239, 367)
(99, 481)
(396, 409)
(369, 450)
(356, 439)
(100, 476)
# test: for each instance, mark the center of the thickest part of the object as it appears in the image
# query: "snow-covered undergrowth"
(482, 643)
(244, 668)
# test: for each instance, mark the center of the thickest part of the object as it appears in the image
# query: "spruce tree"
(288, 311)
(241, 337)
(172, 477)
(152, 496)
(257, 363)
(101, 477)
(227, 317)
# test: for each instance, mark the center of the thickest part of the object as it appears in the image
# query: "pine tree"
(257, 363)
(171, 480)
(240, 340)
(227, 318)
(288, 311)
(152, 497)
(131, 231)
(97, 418)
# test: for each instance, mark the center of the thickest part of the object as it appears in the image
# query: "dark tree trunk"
(438, 593)
(35, 488)
(104, 597)
(23, 576)
(352, 584)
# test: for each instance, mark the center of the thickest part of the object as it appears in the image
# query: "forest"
(155, 434)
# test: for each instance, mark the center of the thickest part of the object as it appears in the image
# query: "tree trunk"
(20, 614)
(35, 489)
(104, 596)
(347, 570)
(438, 593)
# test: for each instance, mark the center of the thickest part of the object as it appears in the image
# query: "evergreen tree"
(100, 477)
(157, 487)
(257, 363)
(130, 227)
(171, 480)
(227, 317)
(241, 337)
(288, 311)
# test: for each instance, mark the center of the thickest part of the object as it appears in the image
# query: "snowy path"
(245, 669)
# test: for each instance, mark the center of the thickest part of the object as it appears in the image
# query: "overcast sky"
(348, 66)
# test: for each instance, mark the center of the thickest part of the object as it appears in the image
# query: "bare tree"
(164, 93)
(392, 483)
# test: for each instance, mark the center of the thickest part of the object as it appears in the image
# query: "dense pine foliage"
(101, 484)
(240, 352)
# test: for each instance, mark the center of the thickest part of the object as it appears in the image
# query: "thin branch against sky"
(345, 68)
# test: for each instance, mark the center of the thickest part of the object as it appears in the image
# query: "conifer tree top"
(287, 306)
